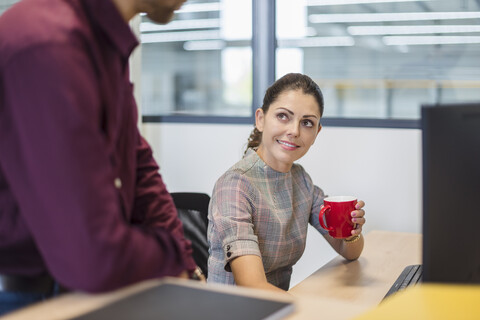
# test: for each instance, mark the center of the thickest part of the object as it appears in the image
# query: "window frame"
(264, 45)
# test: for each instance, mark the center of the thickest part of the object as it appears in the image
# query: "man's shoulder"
(32, 23)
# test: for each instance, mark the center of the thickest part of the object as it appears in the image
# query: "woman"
(261, 207)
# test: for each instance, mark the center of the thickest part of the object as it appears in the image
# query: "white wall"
(380, 166)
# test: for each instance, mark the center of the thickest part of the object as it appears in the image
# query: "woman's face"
(288, 129)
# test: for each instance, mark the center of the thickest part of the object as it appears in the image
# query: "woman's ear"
(259, 119)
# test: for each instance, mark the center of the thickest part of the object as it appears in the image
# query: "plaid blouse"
(257, 210)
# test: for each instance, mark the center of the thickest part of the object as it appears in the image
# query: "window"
(375, 60)
(382, 59)
(200, 64)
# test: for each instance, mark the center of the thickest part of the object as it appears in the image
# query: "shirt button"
(118, 183)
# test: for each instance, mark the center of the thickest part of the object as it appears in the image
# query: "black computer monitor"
(451, 193)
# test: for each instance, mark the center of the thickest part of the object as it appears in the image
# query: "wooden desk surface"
(338, 290)
(342, 289)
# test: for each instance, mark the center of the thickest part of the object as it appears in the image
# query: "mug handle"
(324, 209)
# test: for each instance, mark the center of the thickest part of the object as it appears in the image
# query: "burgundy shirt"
(80, 194)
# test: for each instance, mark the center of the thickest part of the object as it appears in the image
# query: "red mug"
(337, 212)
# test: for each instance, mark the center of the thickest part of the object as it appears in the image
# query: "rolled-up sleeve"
(232, 212)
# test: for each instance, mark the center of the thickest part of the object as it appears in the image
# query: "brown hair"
(290, 81)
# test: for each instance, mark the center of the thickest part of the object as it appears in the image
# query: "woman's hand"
(351, 247)
(358, 218)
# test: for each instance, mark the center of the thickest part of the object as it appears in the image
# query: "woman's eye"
(282, 116)
(307, 123)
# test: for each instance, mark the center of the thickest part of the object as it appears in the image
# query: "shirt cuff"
(239, 248)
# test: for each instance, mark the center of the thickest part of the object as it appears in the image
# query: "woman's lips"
(287, 145)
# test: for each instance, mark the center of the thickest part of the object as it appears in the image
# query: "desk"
(343, 290)
(338, 290)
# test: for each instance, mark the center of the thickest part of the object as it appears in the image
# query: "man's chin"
(161, 19)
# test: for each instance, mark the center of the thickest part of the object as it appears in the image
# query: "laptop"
(451, 192)
(175, 300)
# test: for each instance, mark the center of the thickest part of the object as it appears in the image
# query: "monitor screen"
(451, 193)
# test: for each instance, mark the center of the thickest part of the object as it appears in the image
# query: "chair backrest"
(193, 211)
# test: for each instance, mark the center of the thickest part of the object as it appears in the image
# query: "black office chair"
(193, 210)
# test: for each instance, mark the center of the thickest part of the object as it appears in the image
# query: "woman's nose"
(293, 129)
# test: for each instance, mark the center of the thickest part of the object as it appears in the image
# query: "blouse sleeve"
(317, 201)
(232, 210)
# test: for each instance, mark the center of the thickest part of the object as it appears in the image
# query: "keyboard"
(410, 276)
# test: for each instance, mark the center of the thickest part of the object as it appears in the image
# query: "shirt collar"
(255, 159)
(105, 15)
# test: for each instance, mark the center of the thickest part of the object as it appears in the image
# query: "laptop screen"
(176, 301)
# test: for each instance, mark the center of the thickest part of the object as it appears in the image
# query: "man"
(80, 194)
